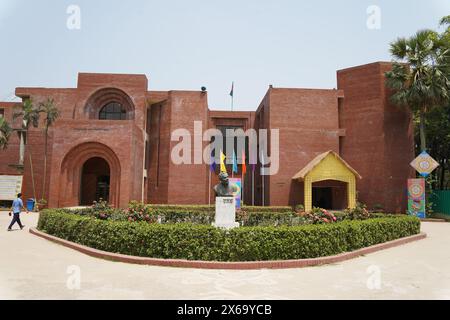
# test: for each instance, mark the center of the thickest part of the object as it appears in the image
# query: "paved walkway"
(34, 268)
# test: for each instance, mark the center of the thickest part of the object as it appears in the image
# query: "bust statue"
(224, 188)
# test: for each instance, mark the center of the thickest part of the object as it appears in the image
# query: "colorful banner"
(416, 198)
(238, 195)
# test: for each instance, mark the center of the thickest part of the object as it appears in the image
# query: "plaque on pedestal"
(226, 213)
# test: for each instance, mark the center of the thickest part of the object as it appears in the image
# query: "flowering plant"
(360, 212)
(140, 212)
(318, 216)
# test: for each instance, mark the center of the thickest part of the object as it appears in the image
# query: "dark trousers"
(15, 219)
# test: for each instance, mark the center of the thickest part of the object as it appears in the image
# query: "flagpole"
(209, 187)
(243, 189)
(253, 187)
(263, 194)
(263, 164)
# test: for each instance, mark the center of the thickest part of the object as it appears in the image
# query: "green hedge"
(211, 208)
(201, 242)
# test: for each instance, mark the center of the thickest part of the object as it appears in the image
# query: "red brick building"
(113, 140)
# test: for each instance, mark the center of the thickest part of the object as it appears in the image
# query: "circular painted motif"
(424, 164)
(416, 190)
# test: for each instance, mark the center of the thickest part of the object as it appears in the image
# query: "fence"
(441, 201)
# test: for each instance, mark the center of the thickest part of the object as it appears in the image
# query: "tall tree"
(419, 75)
(30, 116)
(438, 131)
(51, 113)
(5, 133)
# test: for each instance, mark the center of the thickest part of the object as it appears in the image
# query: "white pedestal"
(226, 213)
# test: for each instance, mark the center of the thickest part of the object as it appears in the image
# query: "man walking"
(16, 209)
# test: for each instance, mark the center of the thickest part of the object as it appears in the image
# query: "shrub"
(318, 215)
(205, 215)
(201, 242)
(360, 212)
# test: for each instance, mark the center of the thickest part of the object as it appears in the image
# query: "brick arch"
(102, 97)
(71, 171)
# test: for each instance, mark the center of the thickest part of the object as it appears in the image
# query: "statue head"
(223, 177)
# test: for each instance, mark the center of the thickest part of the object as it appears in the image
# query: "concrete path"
(34, 268)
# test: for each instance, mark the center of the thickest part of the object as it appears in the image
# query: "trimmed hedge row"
(211, 208)
(201, 242)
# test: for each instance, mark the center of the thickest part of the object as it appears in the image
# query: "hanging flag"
(223, 167)
(235, 164)
(212, 167)
(244, 165)
(232, 90)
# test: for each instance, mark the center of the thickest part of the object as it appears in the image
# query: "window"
(2, 113)
(113, 111)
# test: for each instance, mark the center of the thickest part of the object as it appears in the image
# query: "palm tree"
(445, 40)
(5, 133)
(30, 116)
(418, 76)
(49, 109)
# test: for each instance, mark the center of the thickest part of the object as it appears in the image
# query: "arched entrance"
(89, 171)
(95, 181)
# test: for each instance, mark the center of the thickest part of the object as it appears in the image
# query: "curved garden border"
(252, 265)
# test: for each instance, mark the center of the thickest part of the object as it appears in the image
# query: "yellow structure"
(328, 166)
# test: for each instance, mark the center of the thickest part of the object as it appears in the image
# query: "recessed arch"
(109, 96)
(95, 181)
(72, 171)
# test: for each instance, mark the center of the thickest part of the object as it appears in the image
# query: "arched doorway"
(88, 171)
(95, 181)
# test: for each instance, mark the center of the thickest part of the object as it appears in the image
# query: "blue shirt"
(17, 205)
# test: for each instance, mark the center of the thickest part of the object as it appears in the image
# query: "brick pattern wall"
(379, 137)
(311, 128)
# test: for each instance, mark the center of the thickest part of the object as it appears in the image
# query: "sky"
(184, 45)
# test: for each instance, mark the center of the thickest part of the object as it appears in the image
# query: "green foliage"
(419, 77)
(319, 216)
(201, 242)
(5, 133)
(205, 215)
(360, 212)
(29, 113)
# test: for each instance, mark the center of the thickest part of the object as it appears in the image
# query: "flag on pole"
(212, 167)
(232, 96)
(223, 168)
(244, 165)
(235, 165)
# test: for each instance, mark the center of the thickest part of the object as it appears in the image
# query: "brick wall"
(379, 137)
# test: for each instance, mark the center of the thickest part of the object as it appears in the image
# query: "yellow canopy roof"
(310, 166)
